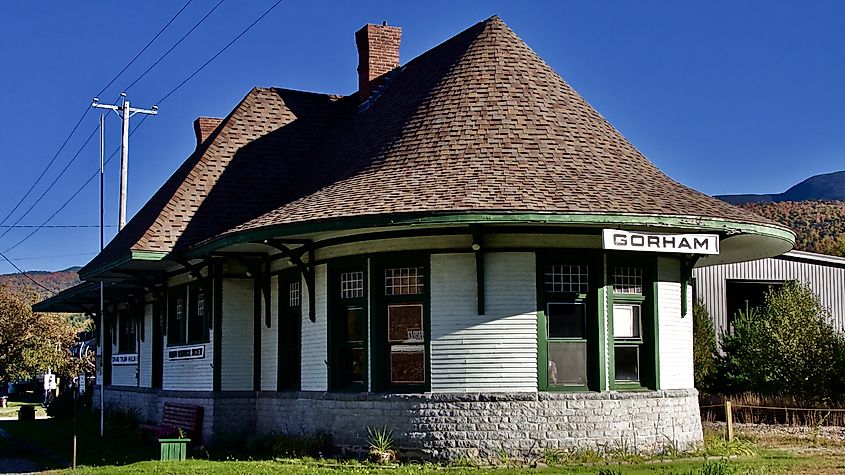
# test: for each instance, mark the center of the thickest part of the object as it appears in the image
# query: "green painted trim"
(336, 342)
(602, 340)
(655, 309)
(88, 272)
(492, 217)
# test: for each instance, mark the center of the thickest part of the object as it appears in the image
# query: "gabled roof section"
(244, 169)
(481, 123)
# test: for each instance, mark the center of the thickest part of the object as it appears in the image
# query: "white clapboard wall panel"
(146, 349)
(236, 345)
(674, 329)
(270, 340)
(315, 335)
(492, 352)
(123, 375)
(824, 274)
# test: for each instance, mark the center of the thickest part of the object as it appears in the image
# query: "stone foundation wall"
(447, 426)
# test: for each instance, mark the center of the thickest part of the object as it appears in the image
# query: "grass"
(123, 452)
(56, 435)
(12, 410)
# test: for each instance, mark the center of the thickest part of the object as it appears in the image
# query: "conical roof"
(481, 123)
(478, 124)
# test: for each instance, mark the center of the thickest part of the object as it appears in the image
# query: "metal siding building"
(824, 274)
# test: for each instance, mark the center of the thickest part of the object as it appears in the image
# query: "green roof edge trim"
(133, 255)
(428, 219)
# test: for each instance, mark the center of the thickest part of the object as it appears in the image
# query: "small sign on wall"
(660, 242)
(186, 353)
(126, 359)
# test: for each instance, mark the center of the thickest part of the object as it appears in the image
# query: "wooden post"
(729, 421)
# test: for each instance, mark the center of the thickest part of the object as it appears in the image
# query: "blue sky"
(724, 96)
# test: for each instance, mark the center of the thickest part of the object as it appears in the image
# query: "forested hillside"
(820, 225)
(56, 281)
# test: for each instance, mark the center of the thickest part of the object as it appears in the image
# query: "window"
(401, 346)
(188, 315)
(289, 327)
(567, 320)
(348, 327)
(128, 333)
(631, 323)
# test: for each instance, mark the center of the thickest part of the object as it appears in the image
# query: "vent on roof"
(378, 54)
(204, 127)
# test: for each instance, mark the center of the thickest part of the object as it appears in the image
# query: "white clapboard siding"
(674, 329)
(146, 349)
(236, 344)
(270, 340)
(315, 335)
(191, 374)
(824, 274)
(492, 352)
(123, 375)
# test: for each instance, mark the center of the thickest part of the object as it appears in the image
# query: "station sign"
(117, 360)
(616, 239)
(186, 353)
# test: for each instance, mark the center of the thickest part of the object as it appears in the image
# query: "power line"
(49, 164)
(144, 48)
(21, 272)
(35, 258)
(82, 117)
(220, 52)
(74, 195)
(174, 46)
(52, 184)
(62, 226)
(172, 91)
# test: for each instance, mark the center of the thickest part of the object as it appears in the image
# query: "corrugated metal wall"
(825, 277)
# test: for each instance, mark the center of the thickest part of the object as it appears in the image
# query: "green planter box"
(174, 449)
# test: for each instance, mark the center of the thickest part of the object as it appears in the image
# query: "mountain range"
(55, 281)
(824, 187)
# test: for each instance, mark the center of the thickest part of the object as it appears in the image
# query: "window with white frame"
(629, 299)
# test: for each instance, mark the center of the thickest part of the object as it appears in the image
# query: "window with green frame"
(401, 323)
(188, 315)
(632, 326)
(568, 321)
(289, 328)
(348, 326)
(127, 341)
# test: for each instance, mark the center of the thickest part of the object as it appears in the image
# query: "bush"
(704, 347)
(786, 347)
(61, 407)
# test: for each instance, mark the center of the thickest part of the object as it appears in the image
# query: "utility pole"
(125, 111)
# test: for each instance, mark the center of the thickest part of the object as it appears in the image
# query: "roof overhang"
(740, 241)
(85, 297)
(134, 259)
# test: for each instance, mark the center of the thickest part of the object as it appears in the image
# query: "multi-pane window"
(567, 278)
(403, 281)
(348, 325)
(188, 315)
(289, 331)
(565, 289)
(629, 300)
(628, 280)
(293, 294)
(401, 341)
(128, 335)
(351, 285)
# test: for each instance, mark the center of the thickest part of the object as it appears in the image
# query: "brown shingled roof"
(478, 123)
(481, 123)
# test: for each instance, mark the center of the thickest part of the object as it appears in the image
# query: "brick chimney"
(378, 54)
(204, 126)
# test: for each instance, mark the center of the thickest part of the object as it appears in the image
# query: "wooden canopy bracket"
(305, 268)
(194, 269)
(478, 249)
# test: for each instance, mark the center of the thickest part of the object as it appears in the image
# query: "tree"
(31, 342)
(786, 347)
(703, 346)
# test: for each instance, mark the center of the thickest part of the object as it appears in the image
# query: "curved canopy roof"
(478, 124)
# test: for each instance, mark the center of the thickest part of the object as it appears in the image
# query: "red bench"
(183, 416)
